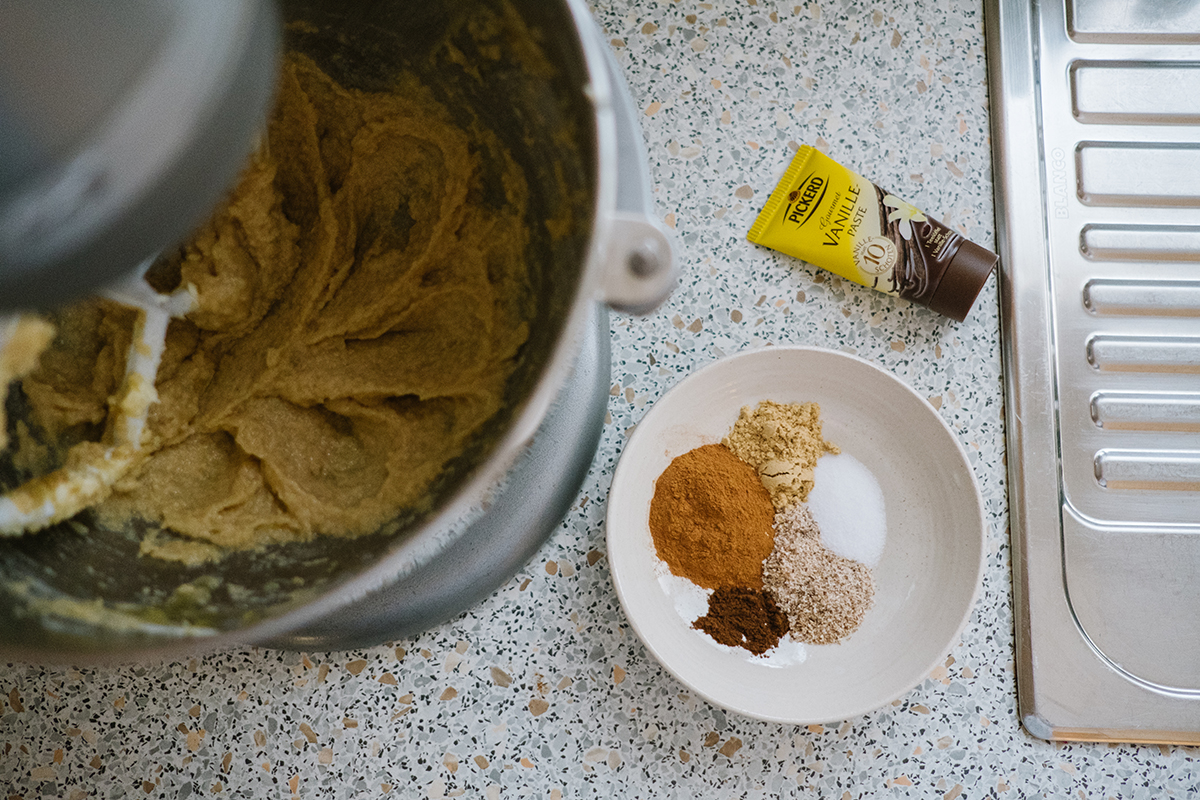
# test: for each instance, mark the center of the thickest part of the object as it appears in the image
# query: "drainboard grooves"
(1173, 470)
(1124, 174)
(1125, 22)
(1131, 93)
(1144, 353)
(1135, 411)
(1142, 298)
(1140, 242)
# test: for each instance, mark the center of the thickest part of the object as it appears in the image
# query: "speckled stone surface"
(542, 690)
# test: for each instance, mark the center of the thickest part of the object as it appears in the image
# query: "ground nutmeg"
(741, 617)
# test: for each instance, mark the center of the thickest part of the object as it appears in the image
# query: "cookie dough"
(23, 339)
(361, 301)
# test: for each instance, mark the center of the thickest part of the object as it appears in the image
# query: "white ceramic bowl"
(926, 581)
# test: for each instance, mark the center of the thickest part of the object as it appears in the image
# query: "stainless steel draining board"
(1096, 142)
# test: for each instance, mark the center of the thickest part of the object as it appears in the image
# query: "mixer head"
(121, 126)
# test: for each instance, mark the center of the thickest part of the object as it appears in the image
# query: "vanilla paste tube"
(838, 220)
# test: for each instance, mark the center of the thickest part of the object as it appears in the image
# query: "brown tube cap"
(962, 281)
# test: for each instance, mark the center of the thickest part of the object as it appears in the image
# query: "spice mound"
(783, 442)
(741, 617)
(711, 519)
(824, 595)
(730, 518)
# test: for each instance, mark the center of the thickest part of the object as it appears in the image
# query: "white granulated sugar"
(847, 504)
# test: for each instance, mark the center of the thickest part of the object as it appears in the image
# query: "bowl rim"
(634, 445)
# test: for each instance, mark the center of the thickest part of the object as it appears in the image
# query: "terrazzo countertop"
(543, 690)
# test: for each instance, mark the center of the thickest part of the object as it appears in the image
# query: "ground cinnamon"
(741, 617)
(711, 519)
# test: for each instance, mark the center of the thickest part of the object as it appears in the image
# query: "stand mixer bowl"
(78, 591)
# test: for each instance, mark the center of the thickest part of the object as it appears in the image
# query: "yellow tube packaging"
(838, 220)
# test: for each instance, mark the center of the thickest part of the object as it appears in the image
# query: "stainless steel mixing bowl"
(77, 591)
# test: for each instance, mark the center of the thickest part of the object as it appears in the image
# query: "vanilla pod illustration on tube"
(838, 220)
